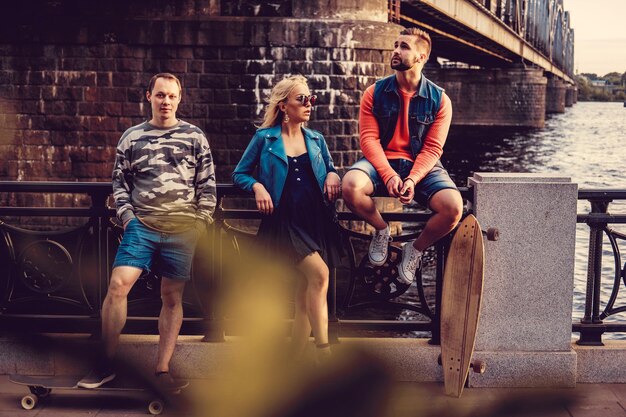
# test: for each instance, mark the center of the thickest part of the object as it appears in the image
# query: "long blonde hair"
(280, 92)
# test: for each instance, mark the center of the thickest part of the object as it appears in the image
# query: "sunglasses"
(304, 100)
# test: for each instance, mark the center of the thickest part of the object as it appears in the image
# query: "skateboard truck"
(478, 366)
(492, 233)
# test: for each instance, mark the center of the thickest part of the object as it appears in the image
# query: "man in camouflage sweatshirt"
(165, 194)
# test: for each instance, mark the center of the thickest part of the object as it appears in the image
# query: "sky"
(599, 35)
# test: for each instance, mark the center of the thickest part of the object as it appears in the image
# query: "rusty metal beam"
(479, 19)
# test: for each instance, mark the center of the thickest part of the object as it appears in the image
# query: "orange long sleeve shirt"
(399, 147)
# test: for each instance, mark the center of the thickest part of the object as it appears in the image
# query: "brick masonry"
(556, 91)
(67, 95)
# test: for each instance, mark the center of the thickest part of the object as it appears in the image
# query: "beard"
(400, 65)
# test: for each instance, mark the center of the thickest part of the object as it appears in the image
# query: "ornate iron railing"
(593, 325)
(55, 280)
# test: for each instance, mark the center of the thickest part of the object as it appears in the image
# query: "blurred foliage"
(591, 87)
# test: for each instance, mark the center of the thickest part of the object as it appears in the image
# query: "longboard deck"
(461, 299)
(41, 386)
(69, 382)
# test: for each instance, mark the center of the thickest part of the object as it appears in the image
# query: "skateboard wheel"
(493, 234)
(29, 402)
(479, 367)
(155, 407)
(439, 361)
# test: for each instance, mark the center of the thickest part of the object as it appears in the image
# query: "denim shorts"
(170, 253)
(436, 180)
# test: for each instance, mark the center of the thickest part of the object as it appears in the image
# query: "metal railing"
(592, 325)
(55, 280)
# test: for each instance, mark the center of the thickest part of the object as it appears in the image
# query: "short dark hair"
(422, 37)
(164, 75)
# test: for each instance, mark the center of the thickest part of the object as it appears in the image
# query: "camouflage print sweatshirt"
(165, 177)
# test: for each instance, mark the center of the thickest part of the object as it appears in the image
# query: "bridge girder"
(497, 32)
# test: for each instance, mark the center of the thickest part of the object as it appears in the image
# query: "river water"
(586, 143)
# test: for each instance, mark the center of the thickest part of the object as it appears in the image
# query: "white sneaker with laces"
(411, 262)
(379, 246)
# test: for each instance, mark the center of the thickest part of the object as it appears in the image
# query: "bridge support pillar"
(571, 95)
(494, 97)
(524, 335)
(555, 95)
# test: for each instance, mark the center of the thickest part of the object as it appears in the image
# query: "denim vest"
(423, 109)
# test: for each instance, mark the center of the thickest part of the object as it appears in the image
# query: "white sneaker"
(97, 377)
(379, 246)
(411, 262)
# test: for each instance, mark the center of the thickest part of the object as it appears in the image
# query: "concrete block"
(529, 272)
(411, 360)
(525, 324)
(602, 364)
(405, 359)
(18, 358)
(525, 369)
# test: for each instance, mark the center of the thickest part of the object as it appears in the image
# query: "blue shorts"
(436, 180)
(172, 253)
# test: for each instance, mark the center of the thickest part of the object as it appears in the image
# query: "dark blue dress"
(303, 222)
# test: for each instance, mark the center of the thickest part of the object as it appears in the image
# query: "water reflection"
(470, 150)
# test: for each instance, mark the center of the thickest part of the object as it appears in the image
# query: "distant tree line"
(610, 87)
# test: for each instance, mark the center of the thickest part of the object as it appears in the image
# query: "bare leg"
(317, 276)
(301, 329)
(356, 190)
(114, 307)
(447, 206)
(170, 320)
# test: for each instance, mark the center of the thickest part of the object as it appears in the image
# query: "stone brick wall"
(494, 97)
(555, 95)
(73, 76)
(71, 83)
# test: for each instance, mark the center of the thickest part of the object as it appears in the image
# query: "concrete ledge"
(192, 359)
(16, 358)
(411, 360)
(526, 369)
(602, 364)
(406, 359)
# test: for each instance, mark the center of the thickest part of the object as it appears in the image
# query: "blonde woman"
(296, 182)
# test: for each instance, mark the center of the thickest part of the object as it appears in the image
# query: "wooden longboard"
(460, 309)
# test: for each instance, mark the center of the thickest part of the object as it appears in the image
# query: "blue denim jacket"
(267, 151)
(423, 110)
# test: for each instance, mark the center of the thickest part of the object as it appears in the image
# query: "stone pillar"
(494, 97)
(555, 95)
(570, 95)
(524, 334)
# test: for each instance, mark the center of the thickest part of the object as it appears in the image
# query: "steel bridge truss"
(497, 33)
